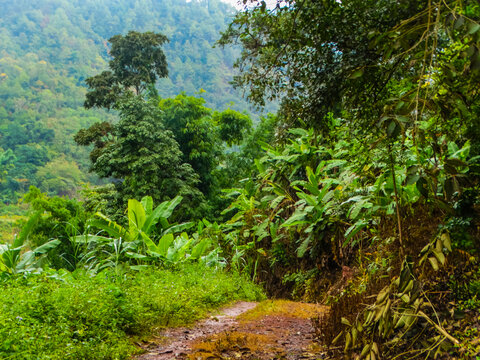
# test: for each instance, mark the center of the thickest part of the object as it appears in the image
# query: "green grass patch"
(8, 227)
(77, 316)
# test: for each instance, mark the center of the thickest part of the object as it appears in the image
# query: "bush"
(60, 315)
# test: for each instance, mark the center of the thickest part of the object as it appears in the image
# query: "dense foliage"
(164, 150)
(385, 164)
(363, 191)
(76, 316)
(48, 49)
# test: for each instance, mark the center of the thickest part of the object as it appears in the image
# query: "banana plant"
(142, 221)
(13, 261)
(137, 241)
(173, 250)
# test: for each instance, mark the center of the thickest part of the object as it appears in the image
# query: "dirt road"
(273, 329)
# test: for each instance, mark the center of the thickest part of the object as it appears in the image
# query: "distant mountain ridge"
(49, 47)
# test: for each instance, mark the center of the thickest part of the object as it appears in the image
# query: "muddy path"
(269, 330)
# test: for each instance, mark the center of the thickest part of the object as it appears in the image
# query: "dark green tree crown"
(138, 61)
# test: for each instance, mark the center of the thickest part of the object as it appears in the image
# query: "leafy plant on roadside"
(14, 261)
(149, 239)
(390, 322)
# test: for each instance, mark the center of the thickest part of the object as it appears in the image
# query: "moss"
(283, 308)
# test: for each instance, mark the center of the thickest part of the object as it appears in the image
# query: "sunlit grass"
(79, 316)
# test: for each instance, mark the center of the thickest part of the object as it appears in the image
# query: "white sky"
(235, 3)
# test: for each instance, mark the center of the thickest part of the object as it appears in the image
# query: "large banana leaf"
(136, 218)
(147, 203)
(10, 254)
(87, 238)
(164, 244)
(176, 253)
(43, 249)
(111, 227)
(161, 213)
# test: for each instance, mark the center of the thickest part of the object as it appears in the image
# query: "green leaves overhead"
(318, 56)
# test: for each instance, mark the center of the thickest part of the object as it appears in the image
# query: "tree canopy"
(49, 47)
(137, 62)
(332, 56)
(174, 146)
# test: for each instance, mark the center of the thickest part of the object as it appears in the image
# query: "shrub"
(61, 315)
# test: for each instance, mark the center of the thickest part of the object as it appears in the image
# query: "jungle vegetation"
(361, 192)
(48, 49)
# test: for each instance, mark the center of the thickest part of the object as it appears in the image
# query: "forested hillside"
(362, 193)
(48, 49)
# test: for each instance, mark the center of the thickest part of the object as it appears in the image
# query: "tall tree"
(204, 138)
(138, 152)
(138, 61)
(146, 159)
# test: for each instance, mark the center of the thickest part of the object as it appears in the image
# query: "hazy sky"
(235, 2)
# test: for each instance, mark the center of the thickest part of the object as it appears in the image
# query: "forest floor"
(272, 329)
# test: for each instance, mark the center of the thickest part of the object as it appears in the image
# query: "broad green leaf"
(260, 166)
(177, 252)
(111, 227)
(161, 213)
(200, 249)
(310, 200)
(298, 132)
(355, 229)
(164, 244)
(136, 217)
(87, 238)
(275, 202)
(42, 249)
(356, 208)
(172, 204)
(27, 261)
(175, 229)
(137, 256)
(302, 249)
(147, 203)
(298, 218)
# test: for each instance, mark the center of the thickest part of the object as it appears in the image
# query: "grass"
(8, 227)
(77, 316)
(283, 308)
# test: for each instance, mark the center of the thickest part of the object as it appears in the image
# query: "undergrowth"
(78, 316)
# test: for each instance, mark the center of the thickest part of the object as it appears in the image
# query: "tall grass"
(78, 316)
